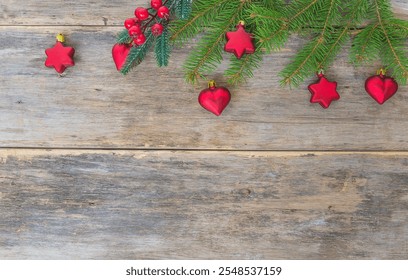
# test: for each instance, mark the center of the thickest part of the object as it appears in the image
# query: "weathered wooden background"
(95, 165)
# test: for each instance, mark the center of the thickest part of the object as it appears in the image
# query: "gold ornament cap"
(60, 38)
(381, 72)
(211, 84)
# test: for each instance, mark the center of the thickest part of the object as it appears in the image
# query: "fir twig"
(330, 22)
(208, 55)
(205, 11)
(309, 58)
(356, 12)
(397, 54)
(183, 9)
(401, 25)
(123, 37)
(384, 38)
(162, 49)
(295, 17)
(137, 54)
(242, 69)
(365, 47)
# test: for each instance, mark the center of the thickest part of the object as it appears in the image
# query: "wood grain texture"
(400, 8)
(88, 12)
(95, 106)
(215, 205)
(97, 200)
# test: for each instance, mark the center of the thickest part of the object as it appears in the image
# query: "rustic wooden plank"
(210, 205)
(93, 106)
(400, 8)
(63, 12)
(111, 13)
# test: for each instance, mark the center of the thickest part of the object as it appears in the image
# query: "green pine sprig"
(310, 59)
(183, 9)
(206, 57)
(162, 49)
(385, 39)
(370, 26)
(123, 37)
(161, 43)
(137, 54)
(242, 69)
(204, 13)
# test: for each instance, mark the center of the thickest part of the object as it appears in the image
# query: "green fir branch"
(400, 26)
(367, 45)
(183, 9)
(393, 56)
(272, 4)
(264, 15)
(339, 39)
(242, 69)
(309, 59)
(123, 37)
(355, 15)
(272, 35)
(137, 54)
(204, 13)
(375, 33)
(208, 55)
(385, 38)
(162, 49)
(356, 12)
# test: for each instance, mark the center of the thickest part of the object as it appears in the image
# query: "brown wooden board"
(210, 205)
(105, 13)
(134, 168)
(95, 106)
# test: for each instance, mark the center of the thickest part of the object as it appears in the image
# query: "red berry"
(135, 30)
(156, 4)
(163, 12)
(157, 29)
(140, 39)
(130, 22)
(141, 13)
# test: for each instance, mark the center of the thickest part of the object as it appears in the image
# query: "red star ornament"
(239, 42)
(59, 56)
(323, 92)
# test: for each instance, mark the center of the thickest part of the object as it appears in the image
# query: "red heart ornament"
(119, 54)
(214, 99)
(381, 87)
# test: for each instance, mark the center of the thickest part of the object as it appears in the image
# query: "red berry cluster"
(137, 26)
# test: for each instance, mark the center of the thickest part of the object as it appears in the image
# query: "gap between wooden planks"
(37, 151)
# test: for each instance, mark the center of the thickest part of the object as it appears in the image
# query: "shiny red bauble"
(155, 4)
(130, 22)
(142, 13)
(135, 30)
(214, 99)
(140, 39)
(119, 54)
(381, 87)
(163, 12)
(157, 29)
